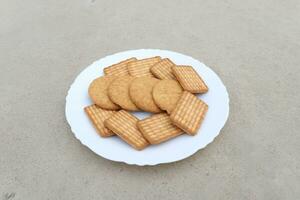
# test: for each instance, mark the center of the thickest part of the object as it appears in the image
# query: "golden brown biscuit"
(99, 95)
(158, 128)
(163, 69)
(140, 92)
(119, 69)
(124, 125)
(97, 115)
(166, 93)
(189, 113)
(189, 79)
(142, 67)
(118, 92)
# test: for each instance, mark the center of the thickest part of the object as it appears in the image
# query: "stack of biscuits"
(153, 85)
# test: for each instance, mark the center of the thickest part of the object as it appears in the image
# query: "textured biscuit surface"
(166, 94)
(158, 128)
(142, 67)
(140, 92)
(124, 125)
(99, 94)
(97, 115)
(163, 69)
(189, 79)
(118, 92)
(119, 69)
(189, 113)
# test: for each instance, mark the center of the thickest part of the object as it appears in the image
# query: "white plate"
(176, 149)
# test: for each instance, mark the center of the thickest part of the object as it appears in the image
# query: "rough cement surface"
(253, 45)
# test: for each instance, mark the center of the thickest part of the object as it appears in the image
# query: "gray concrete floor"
(253, 45)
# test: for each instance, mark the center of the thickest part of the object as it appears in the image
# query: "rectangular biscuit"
(158, 128)
(142, 67)
(119, 69)
(189, 79)
(124, 125)
(189, 113)
(97, 115)
(163, 69)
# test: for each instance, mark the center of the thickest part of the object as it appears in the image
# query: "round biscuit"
(99, 95)
(166, 93)
(118, 91)
(140, 92)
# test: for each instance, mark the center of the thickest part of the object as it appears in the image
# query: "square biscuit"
(119, 69)
(163, 69)
(97, 115)
(189, 79)
(142, 67)
(189, 113)
(124, 125)
(158, 128)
